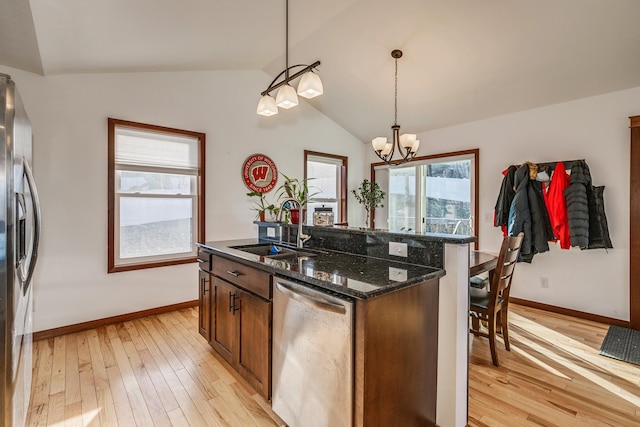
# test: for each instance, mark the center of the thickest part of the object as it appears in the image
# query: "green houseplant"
(262, 206)
(370, 196)
(298, 190)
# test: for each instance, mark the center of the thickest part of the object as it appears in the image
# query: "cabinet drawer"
(204, 260)
(248, 278)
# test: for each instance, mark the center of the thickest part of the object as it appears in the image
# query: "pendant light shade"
(286, 97)
(408, 139)
(379, 143)
(267, 106)
(310, 85)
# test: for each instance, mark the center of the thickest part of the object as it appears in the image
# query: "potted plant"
(261, 206)
(298, 190)
(370, 195)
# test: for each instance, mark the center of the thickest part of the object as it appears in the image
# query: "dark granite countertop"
(347, 274)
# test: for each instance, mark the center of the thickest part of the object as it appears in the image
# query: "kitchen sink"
(266, 250)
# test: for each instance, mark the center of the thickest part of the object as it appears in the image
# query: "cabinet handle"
(231, 301)
(235, 307)
(233, 273)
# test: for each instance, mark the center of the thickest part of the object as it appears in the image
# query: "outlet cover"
(397, 274)
(544, 282)
(398, 249)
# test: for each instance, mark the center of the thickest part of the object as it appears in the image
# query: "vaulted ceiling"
(463, 60)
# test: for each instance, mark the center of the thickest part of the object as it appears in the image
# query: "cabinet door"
(223, 329)
(254, 342)
(204, 321)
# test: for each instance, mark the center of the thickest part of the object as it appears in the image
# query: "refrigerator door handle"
(26, 278)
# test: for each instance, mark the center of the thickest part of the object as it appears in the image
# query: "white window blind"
(155, 149)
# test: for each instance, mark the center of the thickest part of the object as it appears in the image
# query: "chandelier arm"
(286, 80)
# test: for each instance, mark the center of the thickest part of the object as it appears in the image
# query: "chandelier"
(309, 87)
(407, 144)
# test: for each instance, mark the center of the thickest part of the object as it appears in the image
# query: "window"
(432, 194)
(328, 175)
(156, 195)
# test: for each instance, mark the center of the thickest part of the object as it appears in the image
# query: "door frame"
(634, 226)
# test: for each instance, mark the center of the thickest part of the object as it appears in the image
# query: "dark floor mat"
(622, 344)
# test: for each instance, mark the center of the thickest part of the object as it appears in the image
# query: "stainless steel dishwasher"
(312, 371)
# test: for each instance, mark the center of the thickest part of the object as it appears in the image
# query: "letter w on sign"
(259, 173)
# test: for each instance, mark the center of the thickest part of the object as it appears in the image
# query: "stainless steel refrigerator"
(19, 238)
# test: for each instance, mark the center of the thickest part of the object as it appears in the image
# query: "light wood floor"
(156, 371)
(159, 371)
(553, 376)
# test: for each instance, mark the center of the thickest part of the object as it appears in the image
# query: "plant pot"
(294, 215)
(262, 214)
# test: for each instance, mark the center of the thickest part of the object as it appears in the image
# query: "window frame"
(199, 212)
(342, 191)
(474, 153)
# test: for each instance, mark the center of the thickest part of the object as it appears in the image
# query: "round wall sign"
(259, 173)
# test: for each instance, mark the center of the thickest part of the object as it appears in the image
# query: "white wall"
(595, 129)
(69, 118)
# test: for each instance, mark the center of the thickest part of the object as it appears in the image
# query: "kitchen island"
(395, 325)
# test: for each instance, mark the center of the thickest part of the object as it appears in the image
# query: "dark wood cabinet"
(254, 342)
(222, 319)
(239, 312)
(204, 308)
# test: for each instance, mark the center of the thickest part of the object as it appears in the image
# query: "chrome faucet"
(301, 237)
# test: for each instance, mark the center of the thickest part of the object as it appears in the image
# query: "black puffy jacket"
(598, 226)
(541, 230)
(519, 213)
(505, 197)
(578, 204)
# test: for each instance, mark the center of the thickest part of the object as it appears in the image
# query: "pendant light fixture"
(407, 143)
(309, 87)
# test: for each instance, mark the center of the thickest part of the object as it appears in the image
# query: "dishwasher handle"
(312, 300)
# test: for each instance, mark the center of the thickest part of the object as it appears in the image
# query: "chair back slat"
(507, 260)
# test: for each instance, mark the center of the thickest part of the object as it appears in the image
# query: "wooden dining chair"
(492, 305)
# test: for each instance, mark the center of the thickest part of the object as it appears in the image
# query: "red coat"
(557, 205)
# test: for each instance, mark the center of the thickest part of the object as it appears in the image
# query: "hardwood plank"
(72, 371)
(58, 368)
(201, 400)
(124, 366)
(108, 416)
(41, 382)
(165, 394)
(177, 418)
(140, 410)
(90, 411)
(154, 405)
(84, 354)
(100, 378)
(73, 415)
(120, 398)
(56, 414)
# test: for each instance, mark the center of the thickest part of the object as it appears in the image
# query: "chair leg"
(475, 323)
(505, 328)
(492, 339)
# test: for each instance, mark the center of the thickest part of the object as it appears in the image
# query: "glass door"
(435, 194)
